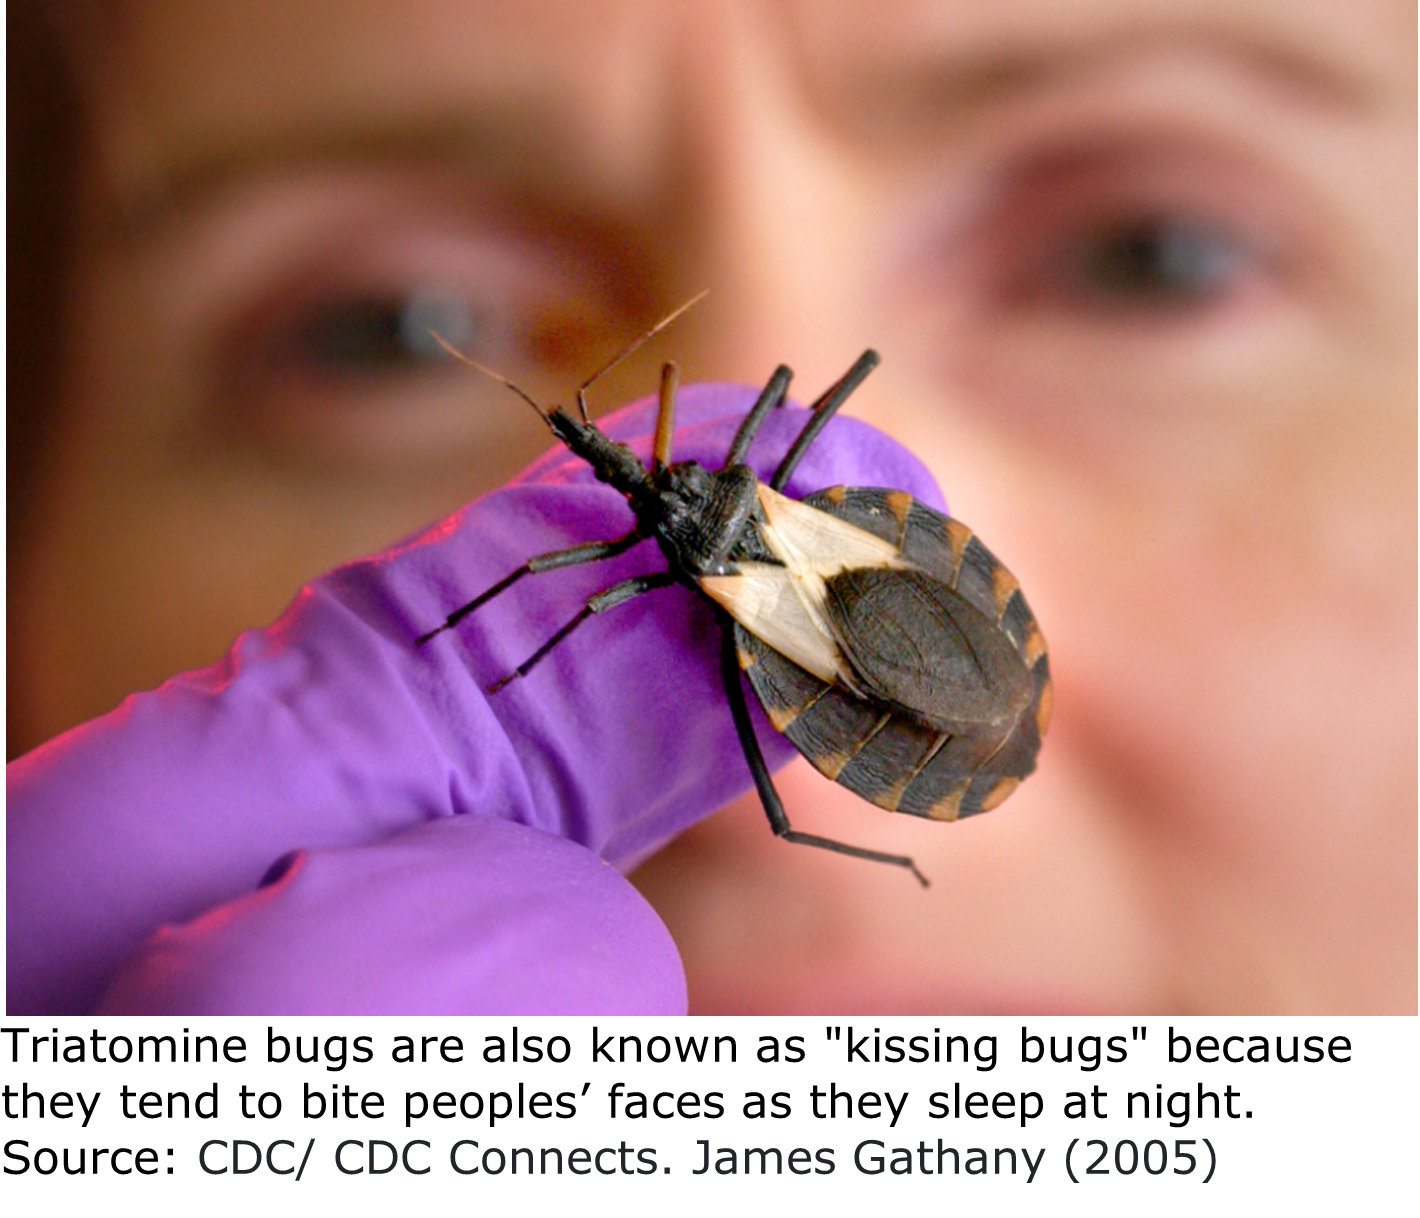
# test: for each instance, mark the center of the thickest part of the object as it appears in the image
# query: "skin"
(1204, 478)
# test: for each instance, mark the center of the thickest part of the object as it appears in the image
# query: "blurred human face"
(1143, 279)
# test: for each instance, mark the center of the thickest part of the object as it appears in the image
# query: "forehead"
(208, 88)
(578, 85)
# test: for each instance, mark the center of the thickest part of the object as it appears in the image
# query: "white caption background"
(828, 1115)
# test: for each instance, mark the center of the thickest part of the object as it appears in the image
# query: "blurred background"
(1143, 277)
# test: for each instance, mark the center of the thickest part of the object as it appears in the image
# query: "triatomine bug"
(880, 636)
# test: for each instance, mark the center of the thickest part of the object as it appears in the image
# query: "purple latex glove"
(330, 733)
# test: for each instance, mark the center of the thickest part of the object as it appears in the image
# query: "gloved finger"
(468, 915)
(331, 728)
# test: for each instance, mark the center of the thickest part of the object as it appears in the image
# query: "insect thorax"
(701, 517)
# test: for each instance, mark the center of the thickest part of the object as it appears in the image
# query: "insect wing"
(915, 643)
(810, 541)
(785, 603)
(896, 758)
(766, 600)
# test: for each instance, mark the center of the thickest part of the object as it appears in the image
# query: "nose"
(763, 208)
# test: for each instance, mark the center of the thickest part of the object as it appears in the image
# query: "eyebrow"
(522, 146)
(954, 80)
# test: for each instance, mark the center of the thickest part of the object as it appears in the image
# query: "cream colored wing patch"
(768, 602)
(784, 605)
(810, 542)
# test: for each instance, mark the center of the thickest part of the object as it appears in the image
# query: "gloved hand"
(452, 840)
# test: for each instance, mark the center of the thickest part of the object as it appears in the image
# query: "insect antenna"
(501, 379)
(635, 345)
(824, 409)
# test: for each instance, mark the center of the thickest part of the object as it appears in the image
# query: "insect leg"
(824, 409)
(591, 551)
(773, 395)
(764, 784)
(665, 418)
(607, 599)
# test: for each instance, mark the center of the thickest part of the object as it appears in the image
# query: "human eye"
(1106, 294)
(1140, 236)
(341, 353)
(1160, 261)
(380, 332)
